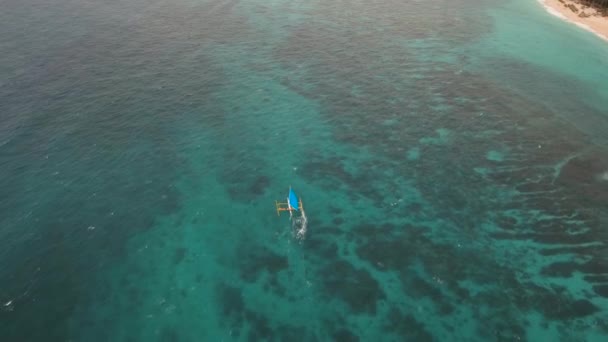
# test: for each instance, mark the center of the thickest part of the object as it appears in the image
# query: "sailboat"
(294, 205)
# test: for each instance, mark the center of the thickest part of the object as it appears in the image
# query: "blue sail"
(293, 200)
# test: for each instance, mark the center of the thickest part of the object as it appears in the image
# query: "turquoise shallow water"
(451, 156)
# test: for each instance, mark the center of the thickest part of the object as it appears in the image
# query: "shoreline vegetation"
(591, 15)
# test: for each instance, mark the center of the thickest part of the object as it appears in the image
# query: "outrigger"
(292, 205)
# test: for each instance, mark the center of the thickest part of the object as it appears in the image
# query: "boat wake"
(300, 225)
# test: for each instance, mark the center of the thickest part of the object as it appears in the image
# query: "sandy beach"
(585, 17)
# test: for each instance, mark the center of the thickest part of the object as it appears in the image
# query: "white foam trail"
(300, 225)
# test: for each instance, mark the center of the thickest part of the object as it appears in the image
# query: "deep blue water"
(452, 157)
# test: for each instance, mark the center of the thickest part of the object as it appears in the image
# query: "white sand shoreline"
(595, 25)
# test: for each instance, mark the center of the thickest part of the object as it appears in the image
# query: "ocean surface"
(452, 158)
